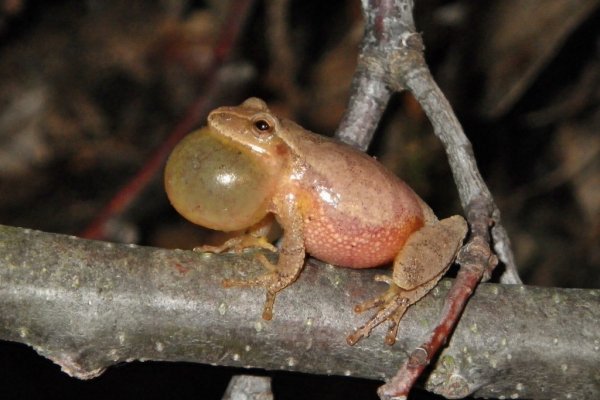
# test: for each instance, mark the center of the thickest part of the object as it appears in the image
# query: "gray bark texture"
(88, 305)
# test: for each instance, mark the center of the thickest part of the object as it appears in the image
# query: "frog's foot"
(391, 307)
(273, 281)
(237, 244)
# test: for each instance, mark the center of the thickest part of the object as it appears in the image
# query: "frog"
(250, 169)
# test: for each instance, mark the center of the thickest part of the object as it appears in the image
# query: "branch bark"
(88, 305)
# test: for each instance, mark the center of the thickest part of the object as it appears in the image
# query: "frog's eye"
(262, 125)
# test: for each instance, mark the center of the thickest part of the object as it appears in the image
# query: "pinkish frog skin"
(331, 200)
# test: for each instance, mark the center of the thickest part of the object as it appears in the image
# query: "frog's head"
(224, 176)
(251, 125)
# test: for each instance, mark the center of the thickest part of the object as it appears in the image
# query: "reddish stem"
(475, 259)
(411, 370)
(127, 195)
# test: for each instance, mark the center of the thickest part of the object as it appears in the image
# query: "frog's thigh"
(428, 252)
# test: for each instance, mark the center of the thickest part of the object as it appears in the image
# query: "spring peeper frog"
(332, 202)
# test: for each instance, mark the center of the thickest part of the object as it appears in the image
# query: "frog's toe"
(267, 314)
(269, 266)
(392, 306)
(206, 248)
(381, 300)
(238, 244)
(269, 281)
(273, 282)
(392, 333)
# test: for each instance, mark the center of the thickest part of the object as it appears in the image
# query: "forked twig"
(392, 60)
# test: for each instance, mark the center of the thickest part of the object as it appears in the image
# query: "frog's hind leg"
(418, 267)
(391, 307)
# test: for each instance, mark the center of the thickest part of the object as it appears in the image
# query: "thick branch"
(88, 305)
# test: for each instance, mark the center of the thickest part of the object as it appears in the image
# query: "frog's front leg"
(258, 235)
(418, 267)
(291, 256)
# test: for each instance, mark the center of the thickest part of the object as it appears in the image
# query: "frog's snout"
(217, 115)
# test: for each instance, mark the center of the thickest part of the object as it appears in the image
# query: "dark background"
(89, 89)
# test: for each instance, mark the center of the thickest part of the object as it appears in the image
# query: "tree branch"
(88, 305)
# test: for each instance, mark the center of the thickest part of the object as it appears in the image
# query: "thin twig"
(392, 59)
(281, 53)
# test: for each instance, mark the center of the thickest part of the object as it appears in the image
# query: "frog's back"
(359, 213)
